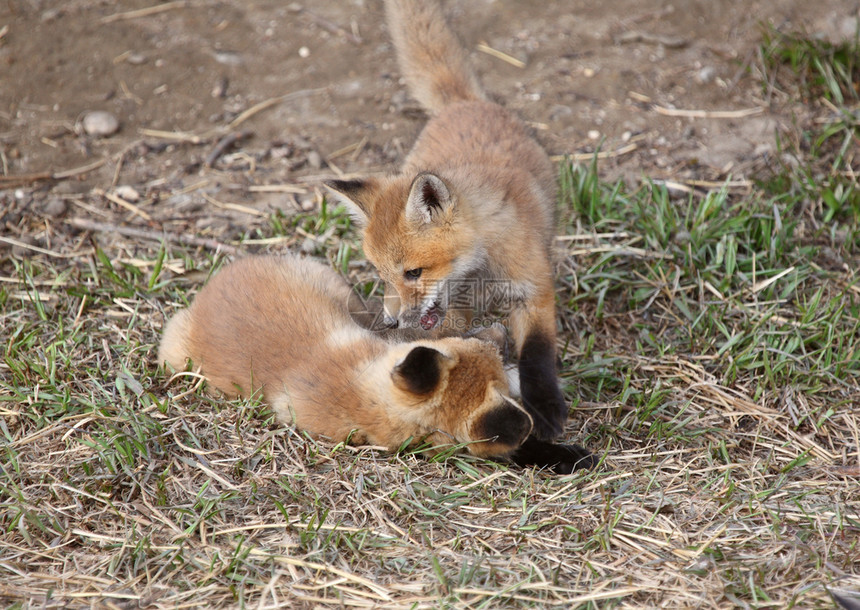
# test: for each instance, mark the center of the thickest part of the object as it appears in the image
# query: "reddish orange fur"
(281, 325)
(495, 219)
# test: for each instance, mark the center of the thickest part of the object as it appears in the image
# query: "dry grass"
(712, 352)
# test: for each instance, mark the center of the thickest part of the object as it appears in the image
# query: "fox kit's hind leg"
(533, 330)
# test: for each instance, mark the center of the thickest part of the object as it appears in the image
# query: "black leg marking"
(542, 397)
(562, 459)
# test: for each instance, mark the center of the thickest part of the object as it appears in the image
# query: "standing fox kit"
(282, 326)
(472, 205)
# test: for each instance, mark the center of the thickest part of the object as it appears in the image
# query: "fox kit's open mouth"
(431, 318)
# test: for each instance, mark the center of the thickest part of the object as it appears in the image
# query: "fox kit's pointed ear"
(354, 194)
(429, 198)
(420, 371)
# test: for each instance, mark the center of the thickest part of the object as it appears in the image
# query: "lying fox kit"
(281, 325)
(472, 208)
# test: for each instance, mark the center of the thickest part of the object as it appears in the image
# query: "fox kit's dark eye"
(413, 274)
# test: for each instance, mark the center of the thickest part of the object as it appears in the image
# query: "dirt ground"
(179, 75)
(230, 110)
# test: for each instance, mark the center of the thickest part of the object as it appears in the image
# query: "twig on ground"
(77, 171)
(485, 48)
(708, 114)
(223, 144)
(277, 188)
(144, 12)
(122, 203)
(603, 154)
(688, 186)
(186, 240)
(329, 26)
(621, 251)
(349, 148)
(271, 102)
(233, 206)
(670, 42)
(20, 244)
(24, 179)
(177, 136)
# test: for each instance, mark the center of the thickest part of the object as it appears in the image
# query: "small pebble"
(308, 204)
(559, 111)
(220, 88)
(848, 28)
(228, 58)
(127, 192)
(100, 123)
(593, 134)
(682, 236)
(763, 149)
(705, 75)
(54, 207)
(304, 52)
(790, 160)
(309, 245)
(314, 160)
(51, 15)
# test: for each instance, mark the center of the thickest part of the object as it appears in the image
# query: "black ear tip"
(347, 187)
(420, 371)
(506, 424)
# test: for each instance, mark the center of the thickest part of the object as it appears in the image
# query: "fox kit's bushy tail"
(432, 60)
(175, 345)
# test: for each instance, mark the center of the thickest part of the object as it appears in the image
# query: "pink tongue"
(429, 319)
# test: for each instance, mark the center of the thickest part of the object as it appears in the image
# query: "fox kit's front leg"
(533, 330)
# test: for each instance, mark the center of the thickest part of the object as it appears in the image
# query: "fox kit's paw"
(562, 459)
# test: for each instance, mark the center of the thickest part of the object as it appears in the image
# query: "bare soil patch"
(121, 491)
